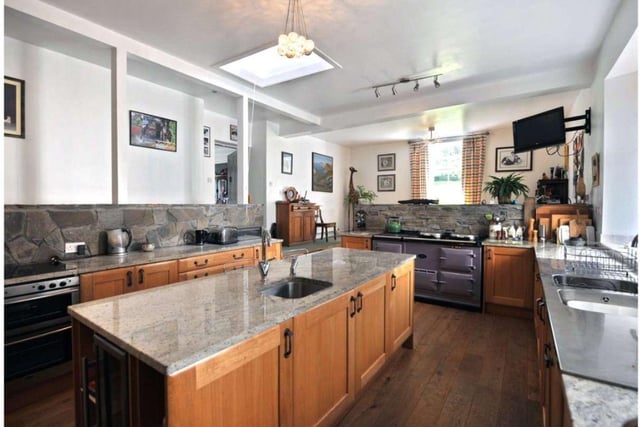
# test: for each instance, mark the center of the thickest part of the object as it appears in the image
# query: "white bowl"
(148, 247)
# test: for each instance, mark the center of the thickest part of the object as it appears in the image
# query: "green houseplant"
(364, 194)
(503, 187)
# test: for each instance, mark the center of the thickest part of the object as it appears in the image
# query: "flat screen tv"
(538, 131)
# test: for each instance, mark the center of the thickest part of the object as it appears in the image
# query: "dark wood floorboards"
(466, 369)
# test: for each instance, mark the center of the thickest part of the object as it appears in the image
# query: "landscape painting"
(322, 173)
(152, 131)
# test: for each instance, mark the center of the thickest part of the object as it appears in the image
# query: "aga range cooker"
(448, 266)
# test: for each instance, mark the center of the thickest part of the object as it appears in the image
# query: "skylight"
(267, 68)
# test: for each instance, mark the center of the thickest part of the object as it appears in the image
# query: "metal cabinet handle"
(238, 257)
(206, 261)
(488, 253)
(141, 276)
(352, 303)
(540, 303)
(288, 342)
(257, 253)
(548, 360)
(360, 295)
(129, 279)
(394, 282)
(422, 256)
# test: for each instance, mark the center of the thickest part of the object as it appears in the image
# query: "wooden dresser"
(295, 222)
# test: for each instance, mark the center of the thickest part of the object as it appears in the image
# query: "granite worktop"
(174, 327)
(585, 343)
(107, 262)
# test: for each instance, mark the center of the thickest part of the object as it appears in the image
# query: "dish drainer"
(597, 259)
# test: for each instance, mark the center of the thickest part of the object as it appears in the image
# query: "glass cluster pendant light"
(294, 41)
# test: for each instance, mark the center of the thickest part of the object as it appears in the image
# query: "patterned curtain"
(473, 154)
(418, 162)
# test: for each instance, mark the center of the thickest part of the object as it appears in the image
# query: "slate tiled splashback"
(36, 232)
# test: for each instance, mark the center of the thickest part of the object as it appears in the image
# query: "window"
(445, 172)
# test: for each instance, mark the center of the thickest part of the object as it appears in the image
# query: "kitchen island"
(218, 348)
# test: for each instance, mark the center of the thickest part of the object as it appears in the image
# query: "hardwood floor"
(466, 369)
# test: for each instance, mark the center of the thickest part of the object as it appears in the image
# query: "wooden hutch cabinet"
(295, 222)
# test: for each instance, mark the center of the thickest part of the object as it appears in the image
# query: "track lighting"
(416, 87)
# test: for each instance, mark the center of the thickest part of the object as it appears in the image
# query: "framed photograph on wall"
(287, 163)
(13, 107)
(387, 182)
(387, 162)
(321, 173)
(154, 132)
(508, 161)
(206, 140)
(233, 132)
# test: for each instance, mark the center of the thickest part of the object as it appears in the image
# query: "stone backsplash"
(36, 232)
(463, 219)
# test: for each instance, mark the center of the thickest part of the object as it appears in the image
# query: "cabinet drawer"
(238, 255)
(215, 259)
(202, 272)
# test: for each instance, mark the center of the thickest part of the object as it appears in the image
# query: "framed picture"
(508, 161)
(154, 132)
(287, 163)
(13, 107)
(387, 182)
(206, 139)
(387, 162)
(321, 173)
(233, 132)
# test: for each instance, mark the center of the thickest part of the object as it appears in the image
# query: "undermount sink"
(600, 301)
(296, 287)
(585, 282)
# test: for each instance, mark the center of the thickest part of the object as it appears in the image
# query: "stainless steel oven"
(37, 325)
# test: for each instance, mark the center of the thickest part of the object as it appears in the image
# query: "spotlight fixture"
(416, 87)
(294, 41)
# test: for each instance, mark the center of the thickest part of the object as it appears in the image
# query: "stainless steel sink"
(601, 301)
(296, 287)
(585, 282)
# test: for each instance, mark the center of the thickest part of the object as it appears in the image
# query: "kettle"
(393, 225)
(118, 240)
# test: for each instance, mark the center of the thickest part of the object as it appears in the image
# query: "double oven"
(37, 325)
(448, 266)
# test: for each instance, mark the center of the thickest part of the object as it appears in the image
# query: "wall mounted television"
(539, 131)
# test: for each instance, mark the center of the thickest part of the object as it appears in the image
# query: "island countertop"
(174, 327)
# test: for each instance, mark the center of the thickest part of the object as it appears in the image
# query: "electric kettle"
(118, 240)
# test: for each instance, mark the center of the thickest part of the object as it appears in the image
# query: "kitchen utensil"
(201, 236)
(393, 225)
(223, 235)
(118, 240)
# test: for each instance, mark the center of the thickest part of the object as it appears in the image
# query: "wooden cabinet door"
(370, 330)
(554, 404)
(296, 226)
(323, 375)
(508, 278)
(399, 306)
(351, 242)
(108, 283)
(239, 387)
(157, 274)
(308, 225)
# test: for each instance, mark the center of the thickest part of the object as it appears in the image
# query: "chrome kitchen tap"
(294, 264)
(264, 263)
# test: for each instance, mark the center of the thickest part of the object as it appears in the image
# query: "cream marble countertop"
(174, 327)
(107, 262)
(591, 402)
(360, 233)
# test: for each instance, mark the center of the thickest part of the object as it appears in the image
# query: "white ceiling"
(492, 53)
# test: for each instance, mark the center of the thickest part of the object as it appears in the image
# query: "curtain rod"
(447, 138)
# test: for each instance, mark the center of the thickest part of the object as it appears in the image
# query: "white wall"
(65, 156)
(332, 204)
(620, 176)
(365, 160)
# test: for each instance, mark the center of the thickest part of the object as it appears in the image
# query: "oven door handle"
(36, 336)
(32, 297)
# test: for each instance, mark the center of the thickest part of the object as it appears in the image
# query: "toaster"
(223, 235)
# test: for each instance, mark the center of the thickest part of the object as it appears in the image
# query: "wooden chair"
(324, 227)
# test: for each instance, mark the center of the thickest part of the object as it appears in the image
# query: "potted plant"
(364, 195)
(503, 187)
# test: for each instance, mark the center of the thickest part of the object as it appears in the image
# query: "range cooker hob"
(431, 236)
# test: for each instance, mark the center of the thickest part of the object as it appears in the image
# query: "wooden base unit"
(295, 222)
(508, 280)
(354, 242)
